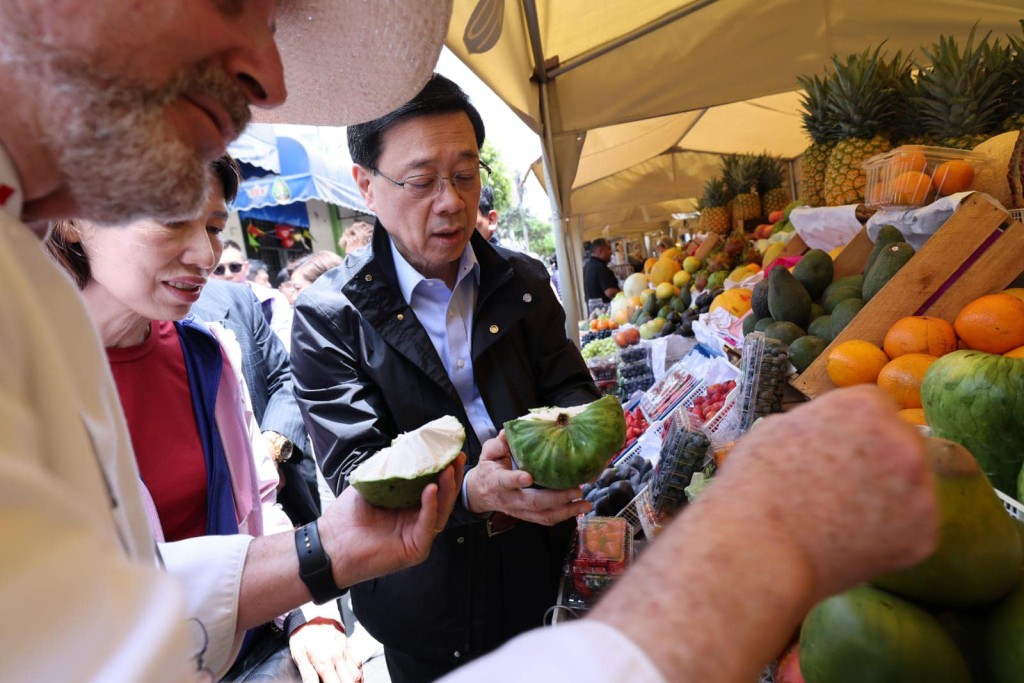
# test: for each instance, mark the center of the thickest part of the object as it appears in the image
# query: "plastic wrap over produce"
(917, 225)
(826, 227)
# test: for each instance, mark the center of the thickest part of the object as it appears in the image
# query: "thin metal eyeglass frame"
(440, 179)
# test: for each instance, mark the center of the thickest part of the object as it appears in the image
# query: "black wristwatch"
(315, 565)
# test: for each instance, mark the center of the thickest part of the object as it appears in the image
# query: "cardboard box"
(977, 251)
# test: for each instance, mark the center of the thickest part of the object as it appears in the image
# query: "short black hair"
(439, 96)
(231, 244)
(486, 199)
(598, 243)
(227, 171)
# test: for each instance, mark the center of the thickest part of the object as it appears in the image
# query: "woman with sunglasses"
(180, 386)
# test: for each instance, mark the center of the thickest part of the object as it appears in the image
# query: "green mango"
(887, 234)
(893, 257)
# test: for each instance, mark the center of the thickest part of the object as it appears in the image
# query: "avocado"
(848, 281)
(804, 350)
(759, 299)
(840, 294)
(651, 306)
(817, 310)
(893, 257)
(821, 327)
(749, 322)
(785, 332)
(681, 301)
(814, 271)
(842, 314)
(887, 234)
(787, 298)
(762, 324)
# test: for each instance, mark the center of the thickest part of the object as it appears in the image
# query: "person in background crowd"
(599, 282)
(636, 260)
(356, 236)
(720, 592)
(556, 283)
(306, 271)
(187, 409)
(235, 267)
(487, 217)
(259, 273)
(111, 116)
(432, 320)
(664, 244)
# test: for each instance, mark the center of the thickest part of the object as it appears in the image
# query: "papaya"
(787, 299)
(842, 314)
(887, 234)
(893, 257)
(866, 634)
(977, 400)
(814, 271)
(978, 557)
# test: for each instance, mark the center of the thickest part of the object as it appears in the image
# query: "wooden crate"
(978, 251)
(854, 256)
(707, 246)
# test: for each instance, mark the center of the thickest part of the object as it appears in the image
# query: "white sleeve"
(579, 651)
(210, 569)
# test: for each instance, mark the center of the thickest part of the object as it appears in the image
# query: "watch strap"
(315, 564)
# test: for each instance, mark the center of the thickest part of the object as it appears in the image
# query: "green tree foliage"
(512, 218)
(498, 178)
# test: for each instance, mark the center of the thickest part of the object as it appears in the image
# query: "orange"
(911, 188)
(648, 264)
(919, 334)
(1015, 353)
(914, 416)
(953, 176)
(992, 323)
(904, 160)
(855, 362)
(901, 378)
(1015, 292)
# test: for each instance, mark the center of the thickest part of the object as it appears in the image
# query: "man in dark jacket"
(269, 379)
(432, 320)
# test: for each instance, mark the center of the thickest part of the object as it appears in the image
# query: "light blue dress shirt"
(447, 316)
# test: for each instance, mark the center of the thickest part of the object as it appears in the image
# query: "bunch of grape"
(599, 347)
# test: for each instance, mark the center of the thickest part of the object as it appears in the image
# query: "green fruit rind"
(893, 257)
(787, 299)
(977, 400)
(978, 556)
(814, 271)
(395, 476)
(866, 634)
(566, 447)
(1003, 642)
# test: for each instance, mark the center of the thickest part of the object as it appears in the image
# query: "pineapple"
(821, 129)
(771, 176)
(1015, 77)
(963, 95)
(906, 129)
(741, 174)
(714, 216)
(861, 99)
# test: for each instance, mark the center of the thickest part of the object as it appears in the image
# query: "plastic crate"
(763, 382)
(905, 177)
(667, 393)
(1015, 509)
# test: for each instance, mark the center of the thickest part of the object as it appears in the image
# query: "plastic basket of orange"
(915, 175)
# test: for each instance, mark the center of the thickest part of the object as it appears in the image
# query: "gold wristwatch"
(282, 447)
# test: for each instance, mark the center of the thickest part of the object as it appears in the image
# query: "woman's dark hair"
(65, 246)
(438, 96)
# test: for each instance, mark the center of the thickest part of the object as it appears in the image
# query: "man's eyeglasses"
(431, 184)
(235, 268)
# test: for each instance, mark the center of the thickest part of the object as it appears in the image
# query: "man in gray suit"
(269, 377)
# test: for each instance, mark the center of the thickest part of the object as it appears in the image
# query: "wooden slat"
(794, 247)
(937, 261)
(854, 256)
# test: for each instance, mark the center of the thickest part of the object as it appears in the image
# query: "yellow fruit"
(855, 362)
(753, 268)
(1015, 291)
(691, 264)
(663, 270)
(772, 253)
(1015, 353)
(673, 254)
(681, 279)
(914, 416)
(739, 274)
(736, 301)
(665, 291)
(836, 252)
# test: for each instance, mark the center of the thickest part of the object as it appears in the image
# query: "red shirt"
(153, 383)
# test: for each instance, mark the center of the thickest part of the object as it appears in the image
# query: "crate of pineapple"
(976, 252)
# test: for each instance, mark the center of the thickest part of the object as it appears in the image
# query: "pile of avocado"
(807, 310)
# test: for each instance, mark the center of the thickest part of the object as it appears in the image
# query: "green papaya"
(814, 271)
(844, 312)
(786, 332)
(787, 299)
(804, 350)
(887, 234)
(893, 257)
(759, 299)
(866, 634)
(395, 476)
(978, 557)
(566, 447)
(977, 399)
(821, 327)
